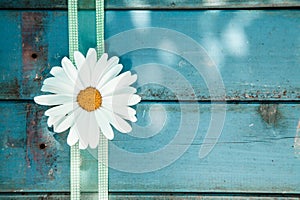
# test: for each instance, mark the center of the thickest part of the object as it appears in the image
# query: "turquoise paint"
(153, 4)
(250, 156)
(255, 153)
(264, 66)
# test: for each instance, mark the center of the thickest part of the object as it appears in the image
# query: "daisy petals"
(58, 89)
(93, 132)
(116, 82)
(79, 59)
(82, 145)
(61, 110)
(72, 136)
(91, 58)
(123, 90)
(111, 62)
(52, 99)
(69, 69)
(66, 123)
(54, 119)
(104, 126)
(120, 109)
(55, 70)
(81, 125)
(131, 118)
(115, 120)
(134, 99)
(85, 73)
(99, 68)
(122, 99)
(113, 72)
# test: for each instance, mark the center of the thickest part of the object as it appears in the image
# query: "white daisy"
(89, 98)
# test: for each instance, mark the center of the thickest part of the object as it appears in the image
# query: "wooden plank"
(258, 151)
(154, 4)
(255, 52)
(152, 196)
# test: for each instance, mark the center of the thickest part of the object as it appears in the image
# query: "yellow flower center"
(89, 99)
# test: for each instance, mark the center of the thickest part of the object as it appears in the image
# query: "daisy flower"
(89, 97)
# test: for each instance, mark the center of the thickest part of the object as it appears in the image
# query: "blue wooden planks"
(256, 53)
(263, 65)
(154, 4)
(256, 152)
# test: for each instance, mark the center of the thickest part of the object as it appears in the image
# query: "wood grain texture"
(253, 51)
(149, 196)
(153, 4)
(256, 53)
(253, 154)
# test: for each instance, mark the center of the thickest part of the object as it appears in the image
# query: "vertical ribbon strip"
(103, 142)
(75, 151)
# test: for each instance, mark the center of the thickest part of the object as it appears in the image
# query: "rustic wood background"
(258, 152)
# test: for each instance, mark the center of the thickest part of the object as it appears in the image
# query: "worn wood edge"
(156, 4)
(170, 195)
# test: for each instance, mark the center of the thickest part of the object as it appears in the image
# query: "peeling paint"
(34, 50)
(269, 113)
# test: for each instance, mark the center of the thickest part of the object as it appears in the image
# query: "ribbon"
(75, 152)
(103, 142)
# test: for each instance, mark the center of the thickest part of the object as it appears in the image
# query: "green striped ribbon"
(75, 151)
(103, 143)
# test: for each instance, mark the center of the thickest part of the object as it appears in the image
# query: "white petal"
(81, 125)
(99, 68)
(85, 74)
(119, 123)
(60, 76)
(56, 90)
(123, 80)
(119, 109)
(55, 70)
(113, 72)
(69, 69)
(54, 120)
(122, 99)
(134, 99)
(52, 99)
(72, 136)
(91, 58)
(115, 83)
(54, 86)
(104, 126)
(113, 61)
(62, 109)
(71, 72)
(93, 131)
(66, 123)
(82, 145)
(131, 118)
(79, 59)
(124, 90)
(130, 80)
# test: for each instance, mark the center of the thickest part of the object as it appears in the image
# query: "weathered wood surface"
(253, 51)
(153, 4)
(150, 196)
(258, 151)
(256, 53)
